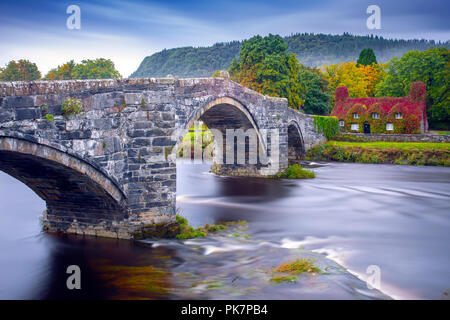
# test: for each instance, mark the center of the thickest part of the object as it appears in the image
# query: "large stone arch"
(222, 101)
(74, 191)
(224, 113)
(296, 144)
(199, 113)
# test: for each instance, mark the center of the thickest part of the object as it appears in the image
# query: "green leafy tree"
(234, 68)
(62, 72)
(431, 67)
(366, 57)
(265, 66)
(95, 69)
(220, 74)
(88, 69)
(216, 74)
(22, 70)
(256, 49)
(316, 93)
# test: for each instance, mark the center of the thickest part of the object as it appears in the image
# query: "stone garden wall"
(394, 137)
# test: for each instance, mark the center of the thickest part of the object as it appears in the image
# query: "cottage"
(382, 115)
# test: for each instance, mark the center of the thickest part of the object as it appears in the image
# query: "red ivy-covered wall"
(412, 108)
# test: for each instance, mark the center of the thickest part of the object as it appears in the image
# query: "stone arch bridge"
(110, 170)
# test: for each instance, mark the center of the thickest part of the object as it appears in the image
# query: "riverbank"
(412, 153)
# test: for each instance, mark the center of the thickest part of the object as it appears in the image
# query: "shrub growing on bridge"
(72, 106)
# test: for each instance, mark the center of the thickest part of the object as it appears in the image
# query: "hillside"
(311, 50)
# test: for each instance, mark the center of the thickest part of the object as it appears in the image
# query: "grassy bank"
(414, 153)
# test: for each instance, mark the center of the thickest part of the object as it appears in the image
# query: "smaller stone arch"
(22, 146)
(296, 144)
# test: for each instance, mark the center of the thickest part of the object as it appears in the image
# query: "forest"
(313, 50)
(265, 65)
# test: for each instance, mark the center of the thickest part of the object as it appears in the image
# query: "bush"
(329, 126)
(50, 117)
(72, 106)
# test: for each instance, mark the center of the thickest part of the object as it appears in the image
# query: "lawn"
(394, 145)
(413, 153)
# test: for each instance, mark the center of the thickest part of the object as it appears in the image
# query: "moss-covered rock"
(180, 229)
(295, 171)
(159, 231)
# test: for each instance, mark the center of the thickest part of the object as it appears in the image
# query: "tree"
(22, 70)
(62, 72)
(316, 92)
(349, 75)
(256, 49)
(220, 74)
(431, 67)
(374, 74)
(266, 67)
(366, 57)
(234, 68)
(95, 69)
(88, 69)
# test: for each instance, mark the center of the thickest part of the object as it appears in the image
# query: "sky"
(128, 31)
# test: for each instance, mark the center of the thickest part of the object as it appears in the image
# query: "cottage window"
(375, 115)
(355, 116)
(354, 127)
(398, 115)
(389, 127)
(341, 123)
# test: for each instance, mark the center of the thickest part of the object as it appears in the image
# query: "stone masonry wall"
(397, 137)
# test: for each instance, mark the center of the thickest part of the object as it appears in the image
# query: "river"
(351, 217)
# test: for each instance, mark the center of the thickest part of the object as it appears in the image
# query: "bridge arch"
(296, 144)
(71, 188)
(223, 105)
(224, 113)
